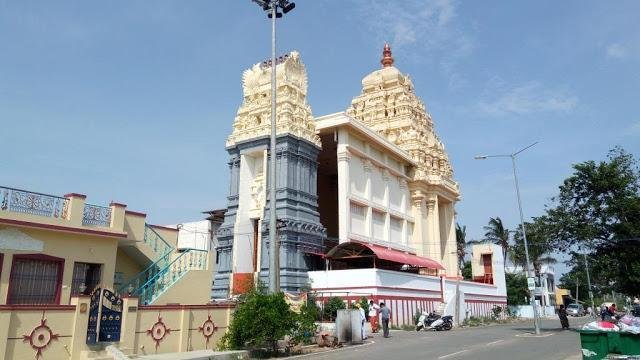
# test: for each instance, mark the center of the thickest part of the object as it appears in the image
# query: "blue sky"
(132, 100)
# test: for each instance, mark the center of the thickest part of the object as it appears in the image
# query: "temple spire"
(387, 58)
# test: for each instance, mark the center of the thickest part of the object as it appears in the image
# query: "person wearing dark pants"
(385, 315)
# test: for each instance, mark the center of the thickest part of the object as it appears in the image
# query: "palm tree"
(539, 245)
(461, 244)
(496, 233)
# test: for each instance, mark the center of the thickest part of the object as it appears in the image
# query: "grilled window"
(35, 279)
(85, 278)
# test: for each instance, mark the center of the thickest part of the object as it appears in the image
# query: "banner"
(295, 300)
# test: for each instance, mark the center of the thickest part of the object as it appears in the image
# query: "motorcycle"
(426, 319)
(444, 323)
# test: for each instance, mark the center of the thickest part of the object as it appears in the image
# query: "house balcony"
(69, 213)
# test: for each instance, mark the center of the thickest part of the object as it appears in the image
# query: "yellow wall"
(193, 288)
(72, 248)
(70, 323)
(126, 265)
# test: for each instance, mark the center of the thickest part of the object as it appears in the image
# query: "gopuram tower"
(243, 238)
(389, 105)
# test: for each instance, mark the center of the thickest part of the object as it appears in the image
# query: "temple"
(365, 197)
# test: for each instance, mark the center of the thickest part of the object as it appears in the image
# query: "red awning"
(349, 250)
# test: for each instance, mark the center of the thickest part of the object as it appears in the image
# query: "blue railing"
(29, 202)
(156, 279)
(156, 242)
(96, 215)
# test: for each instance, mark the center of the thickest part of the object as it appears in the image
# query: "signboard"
(531, 283)
(105, 317)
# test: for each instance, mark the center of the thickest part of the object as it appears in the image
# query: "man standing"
(373, 316)
(385, 314)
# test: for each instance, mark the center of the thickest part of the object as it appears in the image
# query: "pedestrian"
(612, 310)
(373, 316)
(385, 315)
(636, 307)
(604, 312)
(363, 319)
(564, 320)
(589, 311)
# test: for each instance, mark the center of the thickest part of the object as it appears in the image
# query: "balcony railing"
(96, 215)
(28, 202)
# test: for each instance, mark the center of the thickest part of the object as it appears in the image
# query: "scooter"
(444, 323)
(426, 319)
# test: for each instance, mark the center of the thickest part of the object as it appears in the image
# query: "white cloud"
(616, 51)
(634, 129)
(530, 97)
(427, 27)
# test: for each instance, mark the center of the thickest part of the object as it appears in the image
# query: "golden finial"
(387, 58)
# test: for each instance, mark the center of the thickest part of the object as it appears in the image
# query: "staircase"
(168, 268)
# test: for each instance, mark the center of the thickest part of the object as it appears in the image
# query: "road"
(512, 341)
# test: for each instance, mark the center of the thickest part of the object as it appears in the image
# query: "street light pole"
(274, 268)
(524, 232)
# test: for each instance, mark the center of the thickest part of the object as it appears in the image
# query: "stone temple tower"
(243, 238)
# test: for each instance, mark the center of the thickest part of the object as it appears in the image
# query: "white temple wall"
(405, 293)
(250, 205)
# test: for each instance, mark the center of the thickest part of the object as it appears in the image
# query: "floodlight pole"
(524, 233)
(274, 268)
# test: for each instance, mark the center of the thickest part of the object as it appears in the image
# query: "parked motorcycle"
(426, 319)
(444, 323)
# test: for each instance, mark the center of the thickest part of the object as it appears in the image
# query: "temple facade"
(375, 174)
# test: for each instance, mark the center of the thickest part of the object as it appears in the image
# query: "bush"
(496, 311)
(331, 308)
(260, 320)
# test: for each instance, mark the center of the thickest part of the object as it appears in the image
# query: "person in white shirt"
(373, 316)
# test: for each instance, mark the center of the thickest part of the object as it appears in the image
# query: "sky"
(132, 101)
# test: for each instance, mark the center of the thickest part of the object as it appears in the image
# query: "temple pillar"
(433, 233)
(344, 210)
(418, 238)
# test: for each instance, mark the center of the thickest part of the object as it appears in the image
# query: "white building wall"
(405, 293)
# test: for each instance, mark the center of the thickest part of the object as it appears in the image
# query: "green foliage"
(540, 246)
(461, 243)
(467, 272)
(331, 308)
(498, 234)
(364, 303)
(306, 326)
(598, 211)
(496, 312)
(260, 320)
(517, 291)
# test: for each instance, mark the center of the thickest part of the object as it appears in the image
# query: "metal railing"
(161, 275)
(96, 215)
(29, 202)
(159, 245)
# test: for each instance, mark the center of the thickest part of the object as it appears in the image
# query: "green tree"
(332, 306)
(498, 234)
(540, 247)
(597, 211)
(467, 273)
(517, 292)
(461, 244)
(260, 319)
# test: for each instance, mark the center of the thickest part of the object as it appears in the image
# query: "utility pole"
(577, 288)
(586, 263)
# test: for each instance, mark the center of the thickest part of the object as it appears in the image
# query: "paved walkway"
(512, 341)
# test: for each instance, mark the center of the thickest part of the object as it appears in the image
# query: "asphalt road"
(512, 341)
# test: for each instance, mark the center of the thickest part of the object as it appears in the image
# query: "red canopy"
(355, 249)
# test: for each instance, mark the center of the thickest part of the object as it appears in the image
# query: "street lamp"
(271, 6)
(524, 233)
